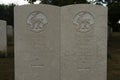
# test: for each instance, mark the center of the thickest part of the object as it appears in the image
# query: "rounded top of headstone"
(3, 21)
(9, 26)
(85, 5)
(71, 5)
(36, 5)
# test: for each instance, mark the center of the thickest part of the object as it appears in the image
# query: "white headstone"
(83, 42)
(60, 43)
(9, 30)
(37, 42)
(3, 38)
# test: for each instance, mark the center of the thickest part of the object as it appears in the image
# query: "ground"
(114, 58)
(6, 69)
(113, 72)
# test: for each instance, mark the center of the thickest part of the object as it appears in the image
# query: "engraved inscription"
(84, 63)
(37, 63)
(38, 66)
(83, 69)
(37, 21)
(84, 21)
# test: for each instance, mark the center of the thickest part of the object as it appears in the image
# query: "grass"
(7, 65)
(114, 61)
(2, 54)
(6, 69)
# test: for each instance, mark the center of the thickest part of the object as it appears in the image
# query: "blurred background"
(7, 14)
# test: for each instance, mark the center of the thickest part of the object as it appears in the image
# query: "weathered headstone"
(3, 38)
(37, 42)
(60, 43)
(9, 30)
(10, 41)
(83, 42)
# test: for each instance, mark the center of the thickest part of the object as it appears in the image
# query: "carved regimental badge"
(83, 21)
(37, 21)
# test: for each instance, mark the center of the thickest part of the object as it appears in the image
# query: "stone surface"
(83, 42)
(60, 43)
(37, 42)
(9, 30)
(3, 37)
